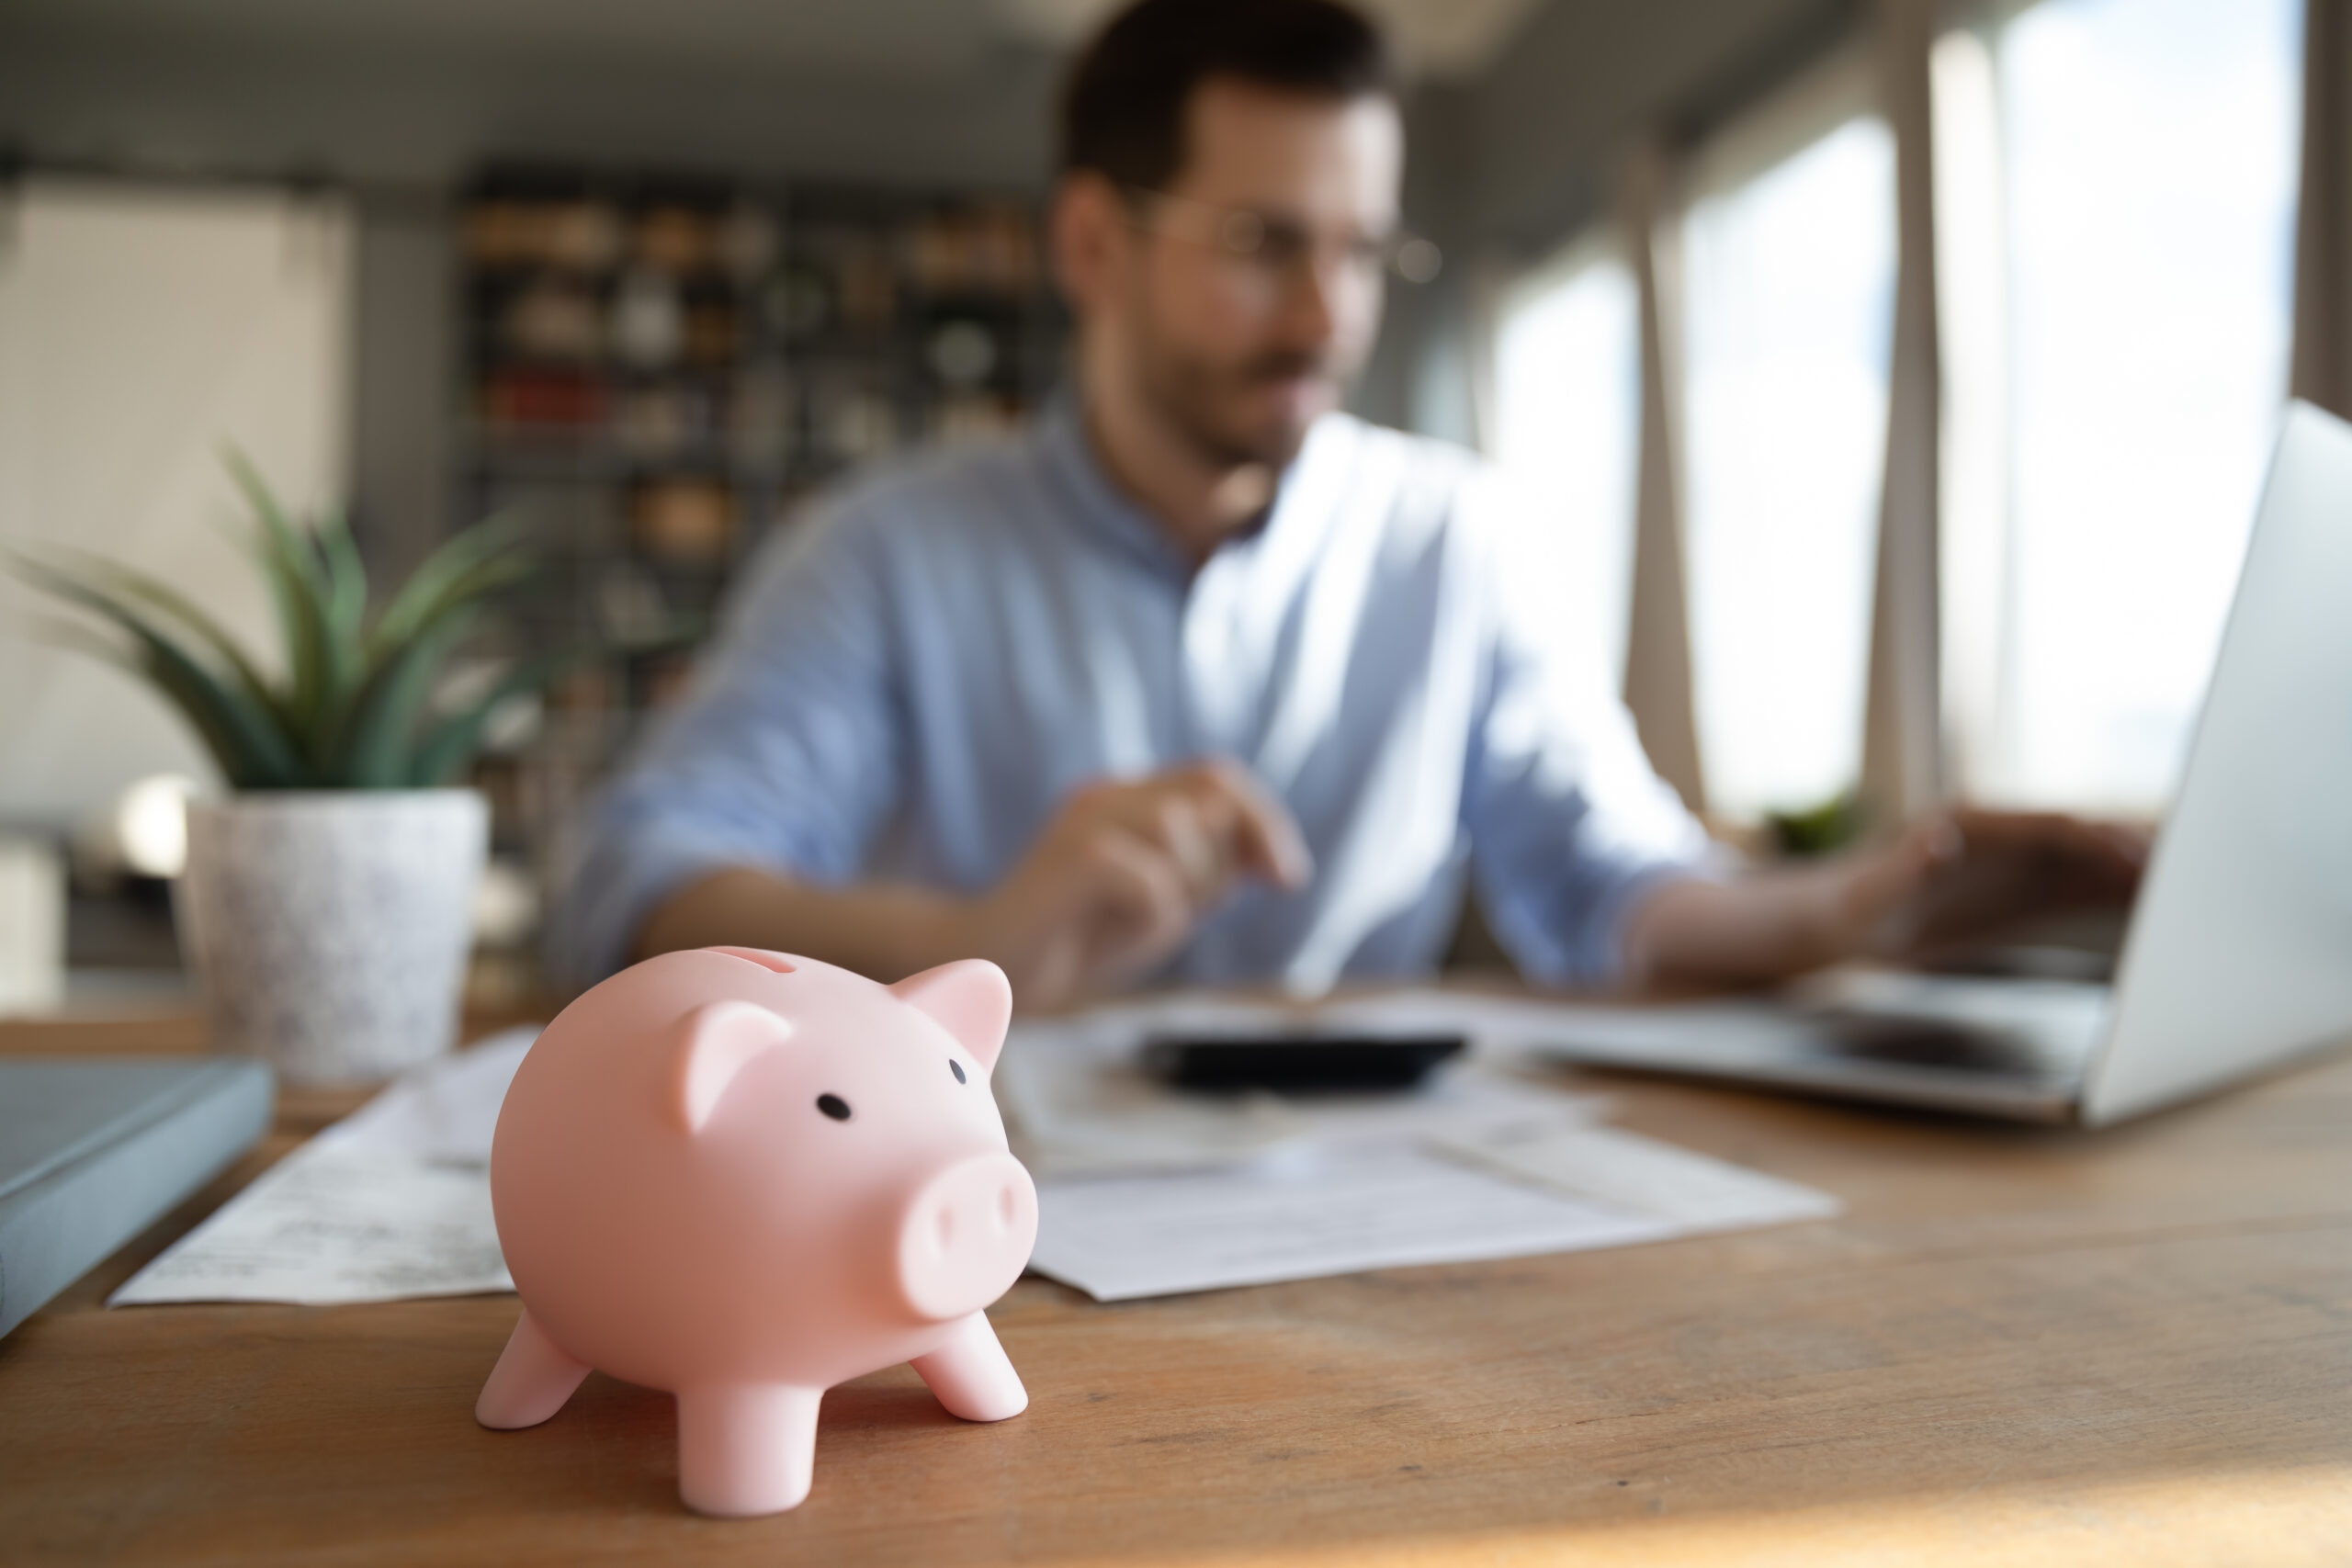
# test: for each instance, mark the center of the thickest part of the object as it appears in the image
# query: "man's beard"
(1197, 399)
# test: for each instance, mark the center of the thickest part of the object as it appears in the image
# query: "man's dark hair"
(1123, 105)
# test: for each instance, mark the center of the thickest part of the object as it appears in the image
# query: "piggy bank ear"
(707, 1048)
(970, 998)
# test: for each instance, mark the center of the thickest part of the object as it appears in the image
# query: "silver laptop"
(2239, 952)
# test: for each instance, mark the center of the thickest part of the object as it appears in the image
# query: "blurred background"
(1891, 380)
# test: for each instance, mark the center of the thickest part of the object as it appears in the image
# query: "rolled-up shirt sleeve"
(1568, 824)
(784, 756)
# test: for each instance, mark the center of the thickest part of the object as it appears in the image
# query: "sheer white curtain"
(2115, 200)
(1789, 264)
(1567, 411)
(2114, 216)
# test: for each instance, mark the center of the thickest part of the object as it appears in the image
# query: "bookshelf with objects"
(658, 371)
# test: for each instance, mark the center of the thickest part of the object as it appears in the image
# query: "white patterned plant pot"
(329, 929)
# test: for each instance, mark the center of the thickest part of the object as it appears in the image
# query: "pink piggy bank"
(744, 1177)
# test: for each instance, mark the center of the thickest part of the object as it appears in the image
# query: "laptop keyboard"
(2041, 1030)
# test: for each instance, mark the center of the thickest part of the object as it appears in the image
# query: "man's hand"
(1965, 877)
(1949, 881)
(1112, 886)
(1124, 872)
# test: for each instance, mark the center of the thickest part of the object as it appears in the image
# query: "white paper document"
(1298, 1217)
(328, 1225)
(393, 1201)
(1142, 1190)
(1690, 1192)
(1079, 1101)
(1317, 1210)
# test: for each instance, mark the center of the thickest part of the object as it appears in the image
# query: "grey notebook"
(92, 1152)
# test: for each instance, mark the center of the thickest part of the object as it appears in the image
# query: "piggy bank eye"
(834, 1106)
(957, 1068)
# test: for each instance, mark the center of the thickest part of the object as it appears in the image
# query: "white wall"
(140, 328)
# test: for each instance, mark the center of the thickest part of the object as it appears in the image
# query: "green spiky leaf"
(347, 606)
(459, 563)
(244, 738)
(136, 587)
(448, 746)
(84, 640)
(374, 749)
(351, 712)
(298, 584)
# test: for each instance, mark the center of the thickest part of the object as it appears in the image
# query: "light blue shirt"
(911, 679)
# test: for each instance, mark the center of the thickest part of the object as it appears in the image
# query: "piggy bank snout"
(966, 1235)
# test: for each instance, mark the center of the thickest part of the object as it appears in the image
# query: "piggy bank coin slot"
(774, 963)
(957, 1068)
(834, 1106)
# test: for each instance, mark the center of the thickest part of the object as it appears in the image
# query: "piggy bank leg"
(531, 1381)
(747, 1448)
(972, 1375)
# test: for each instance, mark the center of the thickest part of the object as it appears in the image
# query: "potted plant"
(326, 907)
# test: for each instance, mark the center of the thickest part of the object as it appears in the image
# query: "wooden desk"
(2017, 1346)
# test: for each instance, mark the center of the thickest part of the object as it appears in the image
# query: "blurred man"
(1203, 680)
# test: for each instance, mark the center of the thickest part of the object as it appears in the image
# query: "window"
(1789, 257)
(1567, 412)
(2115, 200)
(2115, 205)
(140, 328)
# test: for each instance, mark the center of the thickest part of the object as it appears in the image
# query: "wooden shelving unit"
(658, 371)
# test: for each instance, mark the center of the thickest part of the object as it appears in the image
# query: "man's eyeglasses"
(1277, 244)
